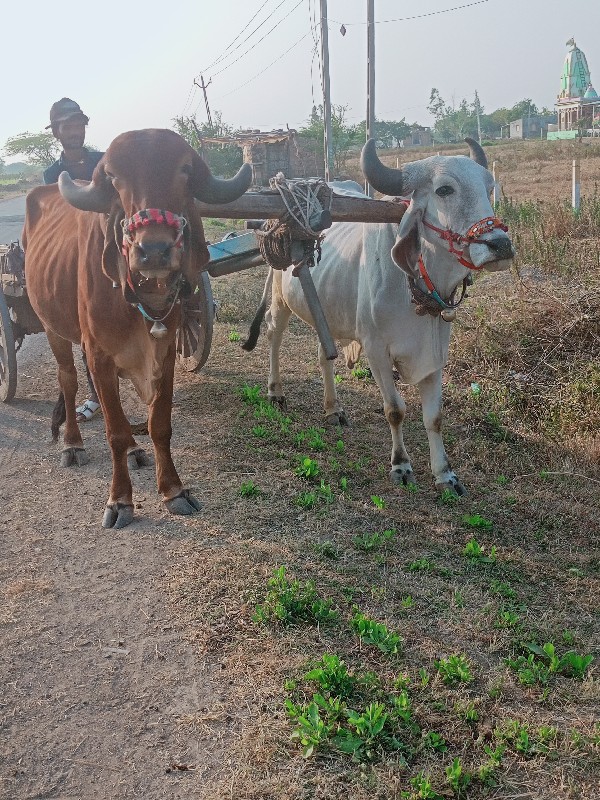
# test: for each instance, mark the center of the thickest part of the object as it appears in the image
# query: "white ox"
(389, 290)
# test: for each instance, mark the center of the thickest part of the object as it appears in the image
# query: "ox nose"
(501, 247)
(153, 255)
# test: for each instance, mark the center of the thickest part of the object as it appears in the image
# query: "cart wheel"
(194, 336)
(8, 354)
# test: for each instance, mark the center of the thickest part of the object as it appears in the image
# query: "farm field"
(315, 632)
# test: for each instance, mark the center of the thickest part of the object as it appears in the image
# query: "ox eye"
(187, 169)
(444, 191)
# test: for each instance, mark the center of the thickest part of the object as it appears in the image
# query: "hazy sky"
(133, 65)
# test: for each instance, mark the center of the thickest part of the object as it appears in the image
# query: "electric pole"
(478, 111)
(328, 139)
(370, 79)
(204, 87)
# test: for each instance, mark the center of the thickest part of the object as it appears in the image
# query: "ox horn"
(224, 190)
(91, 197)
(385, 180)
(476, 152)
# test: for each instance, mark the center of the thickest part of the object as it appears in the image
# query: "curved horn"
(385, 180)
(223, 190)
(92, 197)
(476, 152)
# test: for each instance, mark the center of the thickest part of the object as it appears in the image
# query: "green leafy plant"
(454, 669)
(307, 469)
(249, 489)
(420, 565)
(250, 394)
(433, 740)
(449, 498)
(311, 731)
(327, 549)
(378, 501)
(458, 778)
(372, 541)
(306, 500)
(234, 336)
(423, 789)
(291, 602)
(475, 552)
(260, 431)
(376, 633)
(476, 521)
(332, 676)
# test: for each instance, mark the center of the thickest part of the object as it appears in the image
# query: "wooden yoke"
(235, 253)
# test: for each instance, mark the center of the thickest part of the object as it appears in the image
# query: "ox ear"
(113, 263)
(196, 255)
(407, 248)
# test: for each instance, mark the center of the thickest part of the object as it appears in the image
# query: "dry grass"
(527, 448)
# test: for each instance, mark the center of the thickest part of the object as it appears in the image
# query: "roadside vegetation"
(395, 643)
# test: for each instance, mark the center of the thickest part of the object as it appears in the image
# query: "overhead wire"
(416, 16)
(229, 46)
(245, 53)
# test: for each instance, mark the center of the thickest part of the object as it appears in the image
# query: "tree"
(39, 149)
(223, 160)
(391, 133)
(343, 136)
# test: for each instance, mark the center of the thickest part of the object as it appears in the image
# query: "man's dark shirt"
(79, 170)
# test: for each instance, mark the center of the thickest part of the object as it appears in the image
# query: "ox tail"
(59, 415)
(254, 331)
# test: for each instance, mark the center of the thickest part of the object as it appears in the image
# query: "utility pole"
(370, 79)
(204, 87)
(478, 112)
(328, 139)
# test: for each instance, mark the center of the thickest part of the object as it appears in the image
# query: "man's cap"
(64, 109)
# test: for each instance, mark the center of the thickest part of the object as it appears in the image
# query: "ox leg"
(73, 450)
(119, 507)
(394, 409)
(277, 319)
(430, 390)
(334, 413)
(177, 499)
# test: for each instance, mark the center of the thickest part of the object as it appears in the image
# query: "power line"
(417, 16)
(229, 46)
(289, 49)
(245, 53)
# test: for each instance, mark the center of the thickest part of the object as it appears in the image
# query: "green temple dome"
(576, 77)
(590, 93)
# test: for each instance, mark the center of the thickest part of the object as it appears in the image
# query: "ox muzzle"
(153, 247)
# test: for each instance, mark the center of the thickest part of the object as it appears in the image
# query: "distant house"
(271, 152)
(531, 127)
(418, 137)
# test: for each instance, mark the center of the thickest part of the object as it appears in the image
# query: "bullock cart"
(288, 221)
(305, 208)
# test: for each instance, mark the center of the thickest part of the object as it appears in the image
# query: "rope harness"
(296, 237)
(142, 219)
(430, 302)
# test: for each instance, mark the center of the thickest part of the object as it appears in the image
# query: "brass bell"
(448, 314)
(158, 330)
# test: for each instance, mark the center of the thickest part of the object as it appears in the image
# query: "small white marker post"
(576, 194)
(496, 191)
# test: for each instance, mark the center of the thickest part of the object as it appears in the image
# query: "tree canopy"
(38, 149)
(223, 160)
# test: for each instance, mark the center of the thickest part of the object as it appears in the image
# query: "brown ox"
(105, 265)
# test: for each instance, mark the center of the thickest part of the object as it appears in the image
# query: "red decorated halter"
(142, 219)
(485, 225)
(152, 216)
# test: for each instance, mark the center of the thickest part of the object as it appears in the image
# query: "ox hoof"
(280, 402)
(185, 503)
(337, 418)
(73, 455)
(138, 458)
(452, 485)
(403, 476)
(117, 515)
